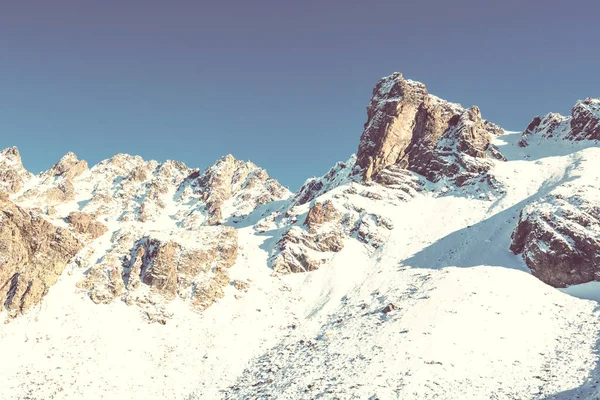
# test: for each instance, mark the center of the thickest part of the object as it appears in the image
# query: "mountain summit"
(407, 126)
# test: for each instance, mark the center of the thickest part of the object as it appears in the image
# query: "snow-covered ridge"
(147, 217)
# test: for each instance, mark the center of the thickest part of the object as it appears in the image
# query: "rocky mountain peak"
(11, 153)
(583, 124)
(242, 181)
(69, 166)
(408, 126)
(395, 88)
(12, 173)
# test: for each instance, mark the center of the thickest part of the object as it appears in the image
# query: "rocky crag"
(408, 127)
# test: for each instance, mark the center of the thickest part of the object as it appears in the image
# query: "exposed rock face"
(68, 167)
(585, 121)
(319, 214)
(158, 214)
(395, 177)
(209, 289)
(12, 173)
(550, 126)
(390, 123)
(243, 183)
(420, 132)
(336, 176)
(302, 251)
(86, 224)
(56, 184)
(127, 188)
(313, 233)
(33, 254)
(583, 124)
(160, 266)
(191, 265)
(559, 239)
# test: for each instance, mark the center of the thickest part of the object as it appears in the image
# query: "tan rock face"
(210, 289)
(408, 127)
(319, 214)
(200, 273)
(302, 251)
(241, 182)
(196, 271)
(12, 173)
(33, 254)
(86, 224)
(160, 268)
(390, 123)
(69, 167)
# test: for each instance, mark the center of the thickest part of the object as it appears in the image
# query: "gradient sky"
(282, 83)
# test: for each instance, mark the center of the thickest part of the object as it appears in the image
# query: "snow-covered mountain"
(447, 259)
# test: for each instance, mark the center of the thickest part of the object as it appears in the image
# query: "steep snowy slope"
(442, 310)
(409, 271)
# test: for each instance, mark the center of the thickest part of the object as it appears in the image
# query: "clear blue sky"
(282, 83)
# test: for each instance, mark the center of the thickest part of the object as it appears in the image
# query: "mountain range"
(446, 259)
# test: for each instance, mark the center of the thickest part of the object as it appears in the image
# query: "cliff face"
(33, 255)
(420, 132)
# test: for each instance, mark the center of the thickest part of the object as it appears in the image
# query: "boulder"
(559, 240)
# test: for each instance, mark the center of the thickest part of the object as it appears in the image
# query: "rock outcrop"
(128, 188)
(190, 265)
(242, 183)
(57, 184)
(319, 214)
(69, 167)
(559, 239)
(585, 120)
(313, 233)
(12, 173)
(86, 224)
(33, 255)
(407, 126)
(558, 235)
(301, 250)
(339, 175)
(583, 124)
